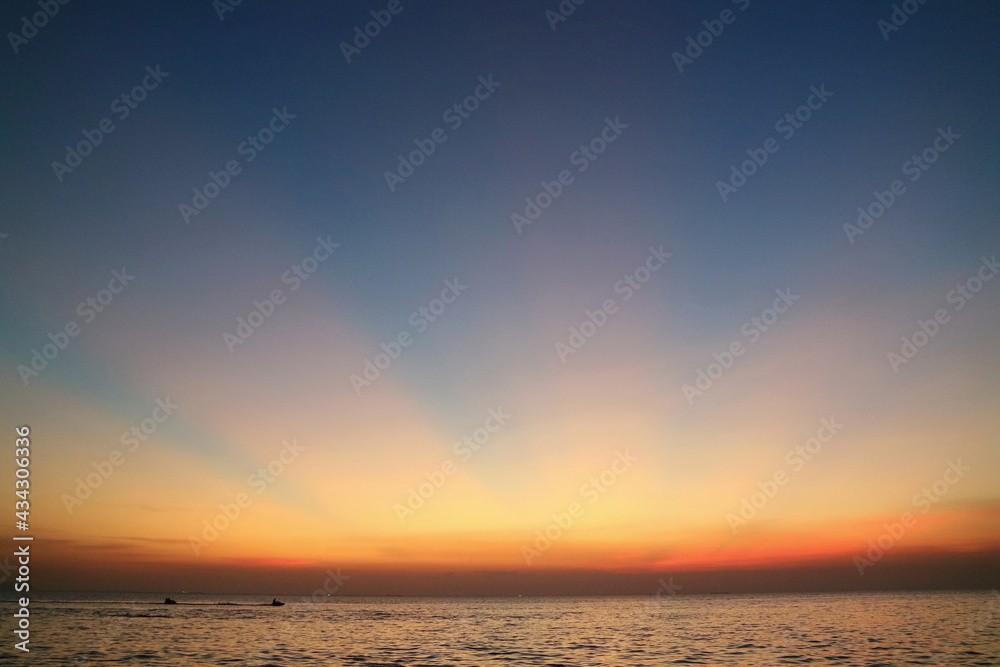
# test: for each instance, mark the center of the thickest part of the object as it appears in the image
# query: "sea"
(910, 628)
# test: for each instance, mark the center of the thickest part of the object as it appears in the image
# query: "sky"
(503, 298)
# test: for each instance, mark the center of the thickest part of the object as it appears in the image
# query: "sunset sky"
(500, 408)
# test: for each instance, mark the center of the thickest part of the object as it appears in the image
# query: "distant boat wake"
(273, 603)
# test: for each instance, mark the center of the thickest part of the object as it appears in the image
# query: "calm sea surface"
(829, 629)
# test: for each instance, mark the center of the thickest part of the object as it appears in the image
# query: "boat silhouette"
(275, 602)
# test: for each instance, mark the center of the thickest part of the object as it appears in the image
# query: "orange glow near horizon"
(384, 481)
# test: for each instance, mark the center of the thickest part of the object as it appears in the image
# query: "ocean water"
(941, 628)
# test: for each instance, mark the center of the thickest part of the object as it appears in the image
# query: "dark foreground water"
(825, 629)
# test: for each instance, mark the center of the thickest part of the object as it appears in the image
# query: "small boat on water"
(275, 602)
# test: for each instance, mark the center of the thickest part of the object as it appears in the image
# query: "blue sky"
(656, 184)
